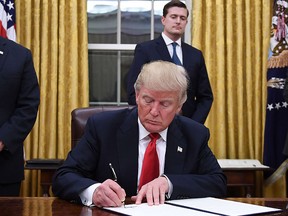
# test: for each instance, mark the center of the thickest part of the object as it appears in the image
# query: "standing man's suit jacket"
(112, 137)
(19, 100)
(200, 97)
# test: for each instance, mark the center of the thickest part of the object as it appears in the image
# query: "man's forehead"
(159, 95)
(178, 11)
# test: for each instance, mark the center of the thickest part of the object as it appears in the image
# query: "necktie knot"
(174, 44)
(154, 136)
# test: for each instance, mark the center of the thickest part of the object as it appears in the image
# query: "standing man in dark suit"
(114, 147)
(174, 20)
(19, 96)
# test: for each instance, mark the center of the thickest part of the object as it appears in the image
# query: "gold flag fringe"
(279, 61)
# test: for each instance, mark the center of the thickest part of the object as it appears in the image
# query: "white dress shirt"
(144, 140)
(87, 194)
(169, 42)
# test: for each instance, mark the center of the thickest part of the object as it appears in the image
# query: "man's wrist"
(86, 195)
(170, 187)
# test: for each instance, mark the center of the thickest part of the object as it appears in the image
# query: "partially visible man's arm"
(204, 94)
(15, 129)
(1, 146)
(140, 58)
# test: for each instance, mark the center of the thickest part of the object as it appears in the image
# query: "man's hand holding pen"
(109, 193)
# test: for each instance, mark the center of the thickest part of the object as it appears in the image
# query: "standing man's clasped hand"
(1, 146)
(109, 193)
(154, 192)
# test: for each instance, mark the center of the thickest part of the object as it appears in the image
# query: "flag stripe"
(7, 19)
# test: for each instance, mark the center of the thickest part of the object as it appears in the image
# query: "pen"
(115, 179)
(113, 172)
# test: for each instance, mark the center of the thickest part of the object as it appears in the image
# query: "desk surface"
(26, 206)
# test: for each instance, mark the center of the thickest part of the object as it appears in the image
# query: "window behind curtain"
(114, 29)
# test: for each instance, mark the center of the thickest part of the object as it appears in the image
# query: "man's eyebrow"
(146, 95)
(175, 14)
(166, 100)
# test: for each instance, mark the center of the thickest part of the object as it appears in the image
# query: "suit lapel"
(162, 49)
(175, 150)
(127, 144)
(185, 55)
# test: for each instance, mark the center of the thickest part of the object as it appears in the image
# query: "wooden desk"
(236, 177)
(27, 206)
(47, 169)
(243, 177)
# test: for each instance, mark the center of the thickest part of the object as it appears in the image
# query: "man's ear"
(162, 20)
(136, 96)
(179, 110)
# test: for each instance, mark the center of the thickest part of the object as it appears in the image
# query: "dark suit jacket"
(19, 100)
(199, 93)
(112, 137)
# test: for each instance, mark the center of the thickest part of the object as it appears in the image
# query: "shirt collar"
(168, 41)
(143, 133)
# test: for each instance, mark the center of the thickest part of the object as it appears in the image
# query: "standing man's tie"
(175, 58)
(150, 165)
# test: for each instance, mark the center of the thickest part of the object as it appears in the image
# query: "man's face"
(156, 109)
(175, 22)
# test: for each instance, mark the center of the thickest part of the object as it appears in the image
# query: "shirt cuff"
(170, 187)
(87, 194)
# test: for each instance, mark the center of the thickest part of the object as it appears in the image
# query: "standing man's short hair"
(174, 3)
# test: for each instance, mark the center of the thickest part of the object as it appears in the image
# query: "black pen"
(115, 179)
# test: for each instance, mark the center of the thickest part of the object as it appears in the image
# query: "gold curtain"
(234, 37)
(56, 33)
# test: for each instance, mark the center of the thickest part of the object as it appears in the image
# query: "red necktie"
(150, 165)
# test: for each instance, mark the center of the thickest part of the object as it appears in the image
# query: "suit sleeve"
(205, 179)
(77, 172)
(140, 58)
(14, 131)
(204, 95)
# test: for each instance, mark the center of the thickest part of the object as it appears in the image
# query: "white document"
(222, 207)
(240, 163)
(159, 210)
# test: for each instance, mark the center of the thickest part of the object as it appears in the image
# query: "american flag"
(7, 19)
(276, 126)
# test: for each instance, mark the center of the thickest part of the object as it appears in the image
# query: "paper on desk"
(222, 207)
(240, 163)
(159, 210)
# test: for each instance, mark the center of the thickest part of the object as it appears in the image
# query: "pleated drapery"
(234, 37)
(56, 33)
